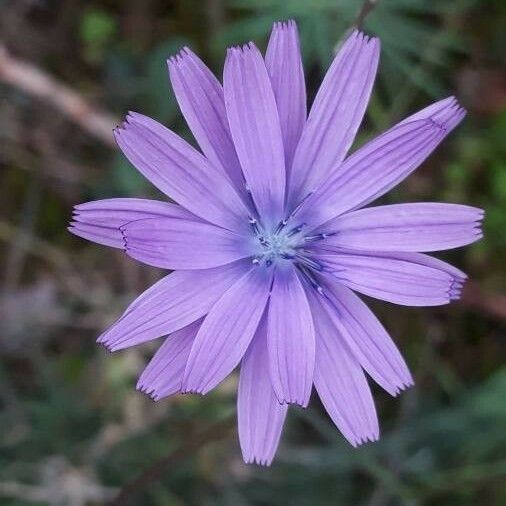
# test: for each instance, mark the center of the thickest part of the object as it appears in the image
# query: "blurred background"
(74, 431)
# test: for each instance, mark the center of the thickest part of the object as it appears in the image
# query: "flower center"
(284, 243)
(273, 245)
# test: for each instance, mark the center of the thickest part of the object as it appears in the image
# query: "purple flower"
(270, 236)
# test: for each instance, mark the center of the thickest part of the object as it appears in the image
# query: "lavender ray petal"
(426, 226)
(227, 332)
(339, 379)
(181, 172)
(260, 416)
(99, 234)
(172, 303)
(164, 373)
(366, 338)
(201, 100)
(284, 65)
(100, 220)
(290, 338)
(335, 116)
(381, 164)
(409, 279)
(254, 123)
(172, 243)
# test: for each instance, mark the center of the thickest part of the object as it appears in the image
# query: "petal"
(426, 226)
(409, 279)
(256, 130)
(340, 381)
(164, 373)
(260, 416)
(336, 114)
(172, 243)
(290, 338)
(100, 220)
(284, 65)
(227, 332)
(366, 338)
(172, 303)
(381, 164)
(181, 172)
(200, 98)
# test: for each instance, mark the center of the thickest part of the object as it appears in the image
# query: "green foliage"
(97, 29)
(411, 41)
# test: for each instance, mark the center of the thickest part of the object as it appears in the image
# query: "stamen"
(248, 191)
(319, 237)
(311, 279)
(299, 205)
(296, 230)
(257, 259)
(254, 225)
(309, 262)
(281, 225)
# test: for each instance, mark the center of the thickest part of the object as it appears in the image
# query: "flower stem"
(214, 432)
(366, 8)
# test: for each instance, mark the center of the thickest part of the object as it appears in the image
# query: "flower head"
(270, 236)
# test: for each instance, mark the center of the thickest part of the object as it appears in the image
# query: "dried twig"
(34, 81)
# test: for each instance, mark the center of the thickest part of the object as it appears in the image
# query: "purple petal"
(381, 164)
(409, 279)
(284, 65)
(366, 338)
(290, 341)
(335, 116)
(100, 220)
(164, 373)
(172, 243)
(256, 130)
(260, 417)
(181, 172)
(227, 332)
(339, 379)
(426, 226)
(200, 98)
(174, 302)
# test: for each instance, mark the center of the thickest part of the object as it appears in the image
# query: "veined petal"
(100, 220)
(164, 373)
(425, 226)
(172, 243)
(409, 279)
(200, 98)
(172, 303)
(260, 416)
(254, 123)
(340, 381)
(284, 65)
(366, 338)
(181, 172)
(381, 164)
(335, 116)
(290, 341)
(227, 332)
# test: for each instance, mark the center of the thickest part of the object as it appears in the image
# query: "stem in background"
(215, 432)
(35, 82)
(367, 7)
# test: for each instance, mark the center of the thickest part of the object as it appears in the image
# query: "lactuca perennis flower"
(270, 236)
